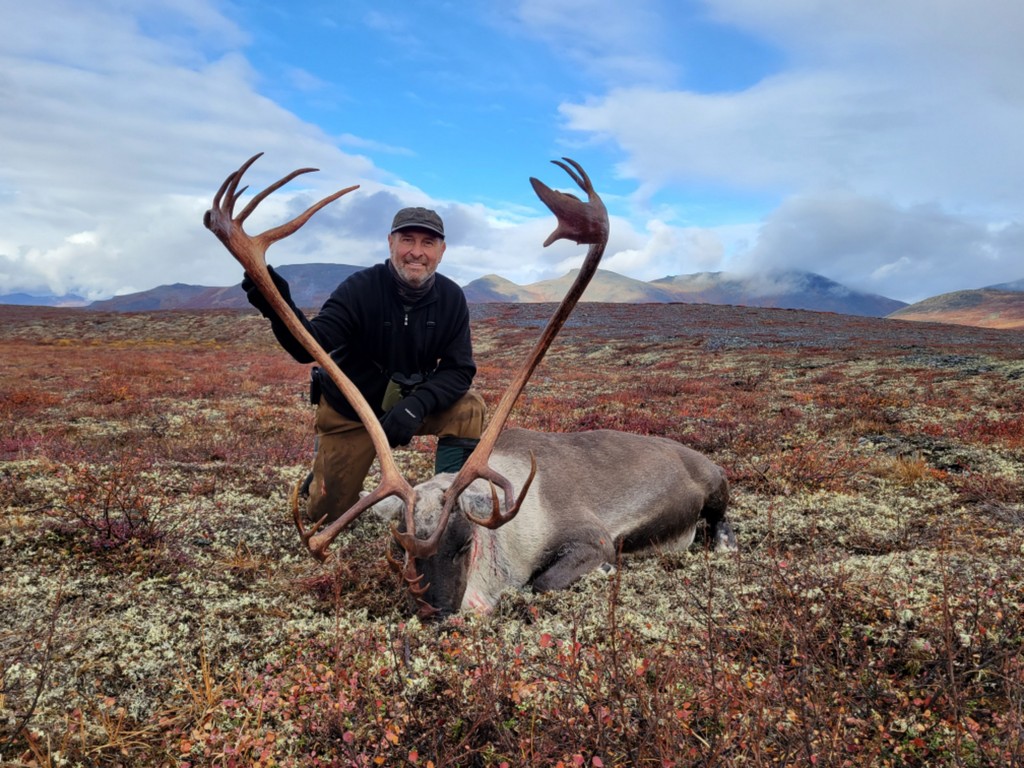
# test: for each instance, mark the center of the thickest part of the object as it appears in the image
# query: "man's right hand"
(257, 299)
(403, 421)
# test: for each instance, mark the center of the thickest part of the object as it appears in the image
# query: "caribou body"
(595, 494)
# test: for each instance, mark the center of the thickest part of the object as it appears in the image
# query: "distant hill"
(995, 307)
(310, 284)
(30, 300)
(1016, 285)
(605, 287)
(492, 288)
(780, 290)
(788, 290)
(176, 296)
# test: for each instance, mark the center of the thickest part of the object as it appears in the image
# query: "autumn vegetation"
(158, 608)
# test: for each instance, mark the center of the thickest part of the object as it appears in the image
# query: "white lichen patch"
(886, 581)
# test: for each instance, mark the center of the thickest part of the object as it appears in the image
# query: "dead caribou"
(596, 493)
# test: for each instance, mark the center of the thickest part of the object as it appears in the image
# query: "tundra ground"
(158, 608)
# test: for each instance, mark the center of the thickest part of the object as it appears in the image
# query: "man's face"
(415, 254)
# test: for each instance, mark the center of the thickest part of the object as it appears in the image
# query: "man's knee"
(465, 419)
(334, 487)
(344, 453)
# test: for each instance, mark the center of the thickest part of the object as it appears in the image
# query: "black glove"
(403, 420)
(258, 300)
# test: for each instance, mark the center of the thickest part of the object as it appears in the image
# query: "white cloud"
(817, 130)
(873, 245)
(601, 37)
(127, 135)
(903, 114)
(922, 38)
(667, 250)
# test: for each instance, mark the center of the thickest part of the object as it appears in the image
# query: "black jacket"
(371, 336)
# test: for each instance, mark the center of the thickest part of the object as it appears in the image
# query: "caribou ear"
(389, 509)
(476, 504)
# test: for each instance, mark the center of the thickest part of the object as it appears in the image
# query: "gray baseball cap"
(418, 218)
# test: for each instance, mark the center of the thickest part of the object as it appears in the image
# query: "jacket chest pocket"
(409, 344)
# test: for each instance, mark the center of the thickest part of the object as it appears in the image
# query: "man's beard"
(414, 280)
(411, 291)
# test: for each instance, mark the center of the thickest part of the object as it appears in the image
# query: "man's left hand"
(403, 421)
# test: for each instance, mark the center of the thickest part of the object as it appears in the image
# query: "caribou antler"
(581, 222)
(250, 251)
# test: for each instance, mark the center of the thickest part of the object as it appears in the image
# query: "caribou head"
(582, 221)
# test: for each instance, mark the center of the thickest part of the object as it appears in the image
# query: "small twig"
(44, 666)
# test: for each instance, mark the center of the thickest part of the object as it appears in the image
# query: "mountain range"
(785, 290)
(998, 306)
(310, 285)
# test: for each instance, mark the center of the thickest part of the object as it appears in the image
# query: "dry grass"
(159, 610)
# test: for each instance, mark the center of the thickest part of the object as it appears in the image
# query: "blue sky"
(877, 142)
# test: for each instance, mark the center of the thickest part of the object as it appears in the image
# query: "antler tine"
(413, 580)
(277, 233)
(250, 252)
(257, 199)
(578, 175)
(231, 184)
(393, 561)
(582, 222)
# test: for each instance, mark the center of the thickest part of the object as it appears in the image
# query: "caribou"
(583, 496)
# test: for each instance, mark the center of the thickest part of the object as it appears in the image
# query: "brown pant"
(345, 452)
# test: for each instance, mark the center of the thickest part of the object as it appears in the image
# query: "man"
(400, 332)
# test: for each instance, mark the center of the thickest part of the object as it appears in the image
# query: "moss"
(861, 586)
